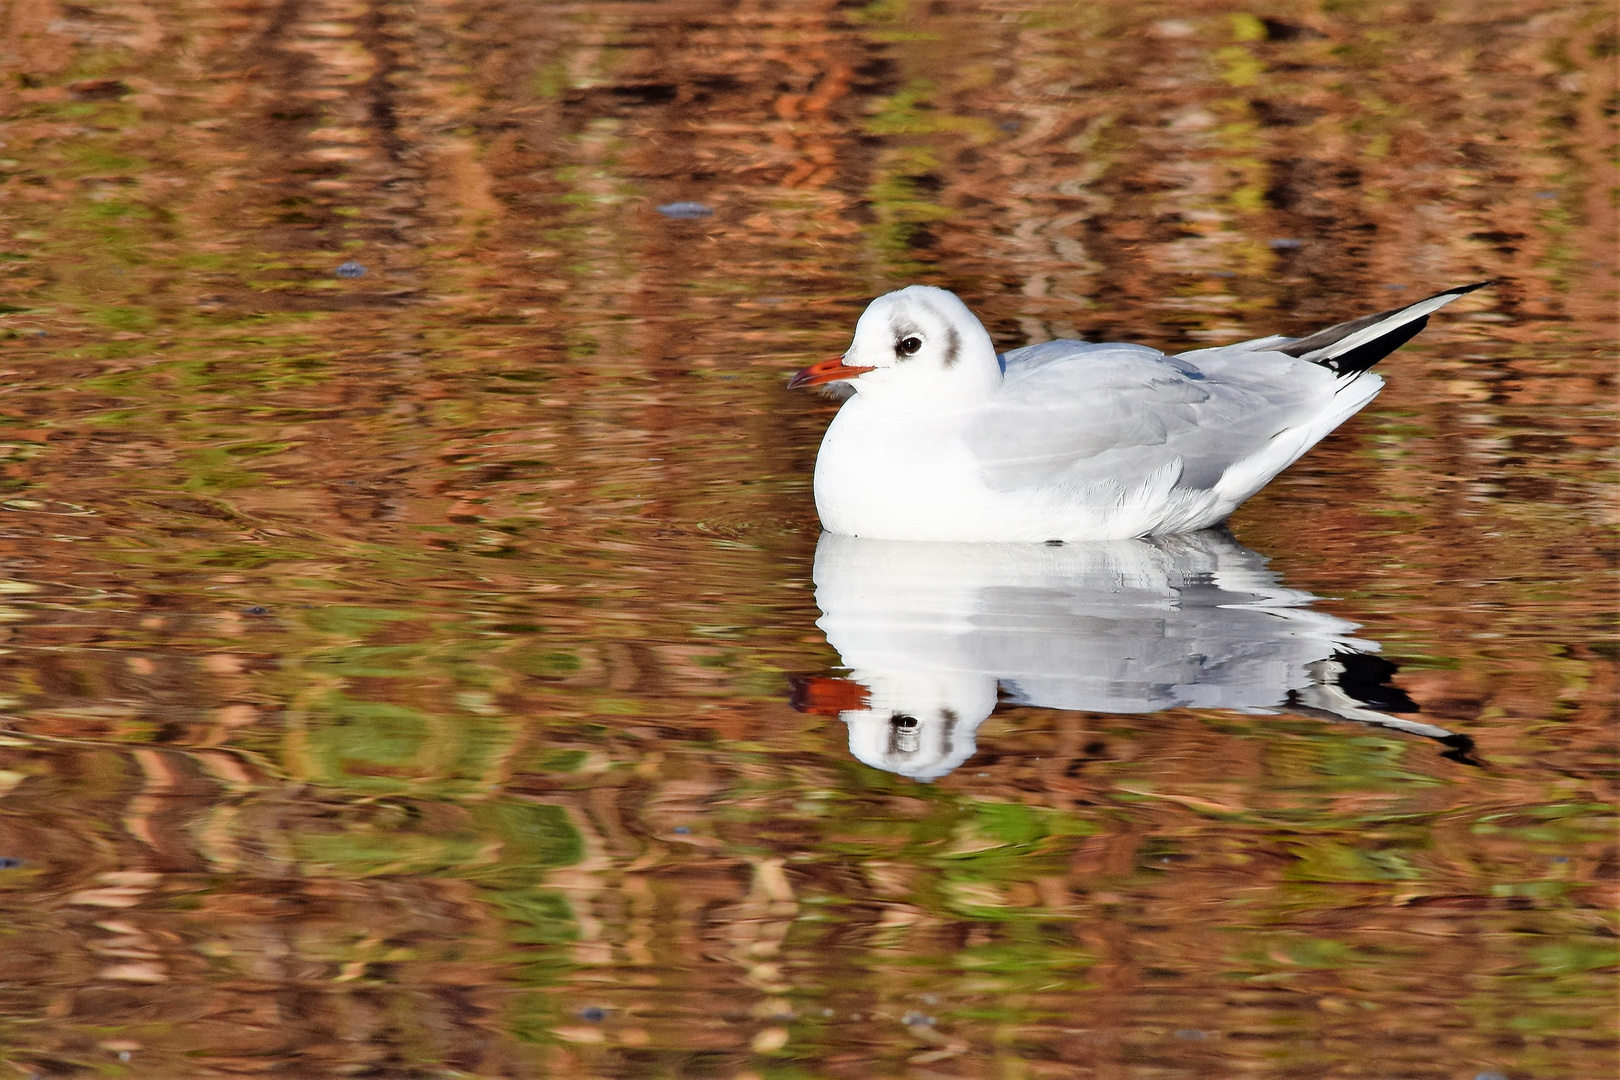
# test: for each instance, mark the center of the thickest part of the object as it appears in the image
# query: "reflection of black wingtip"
(1366, 678)
(1460, 748)
(1319, 701)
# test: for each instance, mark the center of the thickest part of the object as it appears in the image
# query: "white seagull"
(1068, 440)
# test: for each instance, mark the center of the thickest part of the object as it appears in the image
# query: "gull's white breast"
(899, 475)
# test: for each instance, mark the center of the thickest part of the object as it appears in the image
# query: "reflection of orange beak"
(825, 372)
(826, 696)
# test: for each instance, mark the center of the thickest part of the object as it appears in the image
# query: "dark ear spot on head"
(953, 345)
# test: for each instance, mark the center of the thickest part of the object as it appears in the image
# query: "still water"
(419, 659)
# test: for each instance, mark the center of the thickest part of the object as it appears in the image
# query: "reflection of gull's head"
(916, 723)
(934, 633)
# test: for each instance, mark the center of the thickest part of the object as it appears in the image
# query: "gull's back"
(1208, 428)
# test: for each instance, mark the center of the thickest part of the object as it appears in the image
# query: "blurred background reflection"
(406, 536)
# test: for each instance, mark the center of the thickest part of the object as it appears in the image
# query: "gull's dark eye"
(907, 346)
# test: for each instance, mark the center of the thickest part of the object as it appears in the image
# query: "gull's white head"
(921, 341)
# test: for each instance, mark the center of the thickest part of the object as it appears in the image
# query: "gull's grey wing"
(1069, 411)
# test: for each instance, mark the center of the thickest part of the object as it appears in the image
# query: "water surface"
(409, 549)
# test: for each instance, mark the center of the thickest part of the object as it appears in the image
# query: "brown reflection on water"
(395, 663)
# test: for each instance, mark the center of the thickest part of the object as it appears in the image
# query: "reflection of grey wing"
(1220, 632)
(1119, 626)
(1123, 626)
(1070, 411)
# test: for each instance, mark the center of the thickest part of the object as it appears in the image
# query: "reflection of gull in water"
(935, 634)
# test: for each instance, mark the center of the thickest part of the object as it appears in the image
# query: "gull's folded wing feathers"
(1070, 410)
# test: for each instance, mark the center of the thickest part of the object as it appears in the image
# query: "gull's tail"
(1354, 346)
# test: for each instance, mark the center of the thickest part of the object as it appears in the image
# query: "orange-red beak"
(825, 696)
(825, 372)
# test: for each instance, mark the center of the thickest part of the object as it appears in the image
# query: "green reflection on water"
(368, 595)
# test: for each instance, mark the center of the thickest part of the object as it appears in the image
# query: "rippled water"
(417, 660)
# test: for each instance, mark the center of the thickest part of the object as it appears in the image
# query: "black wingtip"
(1461, 290)
(1460, 748)
(1368, 353)
(1366, 678)
(1364, 356)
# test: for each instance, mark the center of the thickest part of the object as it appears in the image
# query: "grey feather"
(1069, 410)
